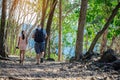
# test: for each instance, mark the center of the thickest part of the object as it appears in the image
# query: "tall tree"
(44, 9)
(114, 12)
(2, 29)
(49, 23)
(13, 7)
(104, 41)
(60, 31)
(9, 24)
(107, 11)
(80, 33)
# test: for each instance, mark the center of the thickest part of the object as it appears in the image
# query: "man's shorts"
(39, 47)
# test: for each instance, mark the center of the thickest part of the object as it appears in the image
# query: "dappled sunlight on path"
(53, 70)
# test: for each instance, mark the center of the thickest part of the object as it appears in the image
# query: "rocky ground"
(12, 70)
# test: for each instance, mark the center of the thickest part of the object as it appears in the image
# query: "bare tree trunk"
(44, 9)
(103, 46)
(114, 12)
(49, 23)
(10, 42)
(60, 31)
(10, 22)
(14, 5)
(104, 42)
(113, 40)
(115, 43)
(86, 42)
(11, 13)
(80, 33)
(2, 29)
(49, 48)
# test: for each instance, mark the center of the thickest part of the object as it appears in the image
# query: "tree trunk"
(104, 42)
(103, 46)
(60, 32)
(14, 5)
(114, 12)
(113, 40)
(80, 33)
(86, 42)
(49, 48)
(10, 22)
(117, 41)
(44, 9)
(2, 29)
(49, 23)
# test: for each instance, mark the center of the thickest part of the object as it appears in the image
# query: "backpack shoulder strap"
(41, 29)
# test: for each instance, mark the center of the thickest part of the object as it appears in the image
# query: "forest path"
(10, 70)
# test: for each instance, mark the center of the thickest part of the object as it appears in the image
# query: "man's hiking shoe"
(41, 61)
(20, 61)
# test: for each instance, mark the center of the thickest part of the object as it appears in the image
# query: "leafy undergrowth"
(12, 70)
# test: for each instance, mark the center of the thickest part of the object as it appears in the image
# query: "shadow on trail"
(49, 69)
(44, 70)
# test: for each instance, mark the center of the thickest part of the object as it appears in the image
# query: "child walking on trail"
(22, 44)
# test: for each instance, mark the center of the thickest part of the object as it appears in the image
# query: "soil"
(51, 70)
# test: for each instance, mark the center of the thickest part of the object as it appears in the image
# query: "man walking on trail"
(39, 35)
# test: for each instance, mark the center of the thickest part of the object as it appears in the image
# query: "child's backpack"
(39, 35)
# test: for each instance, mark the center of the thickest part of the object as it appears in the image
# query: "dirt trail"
(10, 70)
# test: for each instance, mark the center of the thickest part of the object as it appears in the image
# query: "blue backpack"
(39, 35)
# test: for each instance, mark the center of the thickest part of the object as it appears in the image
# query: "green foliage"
(30, 54)
(53, 56)
(117, 32)
(97, 14)
(67, 57)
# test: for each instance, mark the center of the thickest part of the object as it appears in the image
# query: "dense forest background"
(74, 27)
